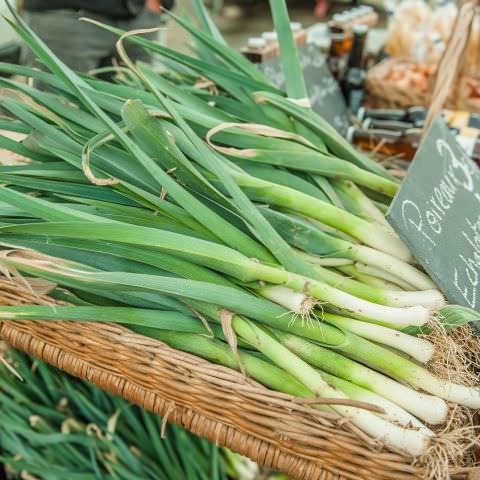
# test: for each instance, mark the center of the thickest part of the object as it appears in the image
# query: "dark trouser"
(81, 45)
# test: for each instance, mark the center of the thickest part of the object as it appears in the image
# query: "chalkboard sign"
(324, 93)
(437, 214)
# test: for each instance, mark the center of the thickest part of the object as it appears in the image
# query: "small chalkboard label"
(324, 93)
(437, 214)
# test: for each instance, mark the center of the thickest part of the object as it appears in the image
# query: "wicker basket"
(387, 94)
(464, 102)
(462, 55)
(217, 403)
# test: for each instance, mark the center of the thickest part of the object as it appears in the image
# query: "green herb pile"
(55, 427)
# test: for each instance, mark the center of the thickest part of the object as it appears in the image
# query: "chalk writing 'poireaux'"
(437, 213)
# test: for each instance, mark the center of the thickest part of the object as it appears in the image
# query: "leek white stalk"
(415, 315)
(303, 305)
(304, 235)
(428, 298)
(394, 266)
(352, 272)
(377, 272)
(393, 412)
(413, 442)
(414, 374)
(432, 299)
(426, 407)
(294, 301)
(397, 269)
(418, 348)
(450, 391)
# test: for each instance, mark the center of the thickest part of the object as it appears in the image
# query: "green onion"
(57, 426)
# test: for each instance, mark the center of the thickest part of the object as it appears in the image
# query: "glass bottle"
(395, 125)
(386, 142)
(381, 114)
(340, 46)
(415, 115)
(255, 50)
(353, 85)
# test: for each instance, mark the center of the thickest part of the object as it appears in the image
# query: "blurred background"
(237, 19)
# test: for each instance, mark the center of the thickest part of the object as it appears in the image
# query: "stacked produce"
(419, 32)
(418, 36)
(238, 226)
(411, 75)
(56, 427)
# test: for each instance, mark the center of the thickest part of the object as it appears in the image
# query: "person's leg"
(79, 44)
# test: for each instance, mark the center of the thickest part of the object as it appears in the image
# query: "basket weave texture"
(388, 94)
(272, 428)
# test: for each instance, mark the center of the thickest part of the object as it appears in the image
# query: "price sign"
(437, 214)
(324, 93)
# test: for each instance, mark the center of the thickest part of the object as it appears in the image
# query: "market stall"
(209, 243)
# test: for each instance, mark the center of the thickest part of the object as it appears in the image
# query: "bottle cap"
(348, 16)
(361, 113)
(256, 42)
(270, 37)
(350, 133)
(360, 29)
(390, 7)
(417, 113)
(367, 122)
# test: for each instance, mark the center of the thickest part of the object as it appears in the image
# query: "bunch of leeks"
(238, 226)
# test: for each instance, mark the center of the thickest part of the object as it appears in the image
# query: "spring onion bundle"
(239, 213)
(55, 426)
